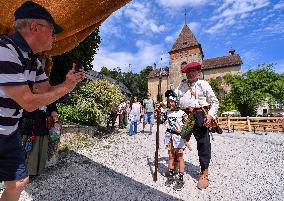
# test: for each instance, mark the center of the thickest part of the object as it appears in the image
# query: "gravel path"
(244, 166)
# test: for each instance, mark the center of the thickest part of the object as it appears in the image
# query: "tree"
(254, 87)
(91, 103)
(137, 83)
(85, 52)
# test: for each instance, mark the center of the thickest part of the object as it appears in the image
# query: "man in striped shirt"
(20, 71)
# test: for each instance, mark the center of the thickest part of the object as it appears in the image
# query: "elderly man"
(20, 71)
(195, 95)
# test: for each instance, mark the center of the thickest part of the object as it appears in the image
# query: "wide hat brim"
(78, 19)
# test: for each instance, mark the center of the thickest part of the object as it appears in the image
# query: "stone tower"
(186, 49)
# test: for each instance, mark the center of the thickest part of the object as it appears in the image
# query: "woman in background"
(134, 115)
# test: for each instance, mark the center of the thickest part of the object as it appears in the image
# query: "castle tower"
(186, 49)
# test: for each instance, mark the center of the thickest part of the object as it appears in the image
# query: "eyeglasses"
(50, 26)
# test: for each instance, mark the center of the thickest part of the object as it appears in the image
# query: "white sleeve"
(212, 100)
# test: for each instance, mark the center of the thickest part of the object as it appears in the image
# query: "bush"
(91, 103)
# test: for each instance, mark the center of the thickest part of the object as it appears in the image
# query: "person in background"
(20, 69)
(134, 115)
(122, 114)
(35, 127)
(148, 111)
(112, 116)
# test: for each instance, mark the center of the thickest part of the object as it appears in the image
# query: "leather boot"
(203, 181)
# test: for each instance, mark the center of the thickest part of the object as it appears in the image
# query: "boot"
(170, 180)
(203, 181)
(179, 182)
(176, 170)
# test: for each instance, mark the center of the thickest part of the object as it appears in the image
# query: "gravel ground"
(244, 166)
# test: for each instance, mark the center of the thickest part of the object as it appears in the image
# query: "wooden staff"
(158, 109)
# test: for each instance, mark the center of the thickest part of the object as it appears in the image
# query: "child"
(172, 139)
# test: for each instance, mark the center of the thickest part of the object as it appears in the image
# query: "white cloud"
(234, 11)
(170, 39)
(146, 55)
(181, 3)
(280, 5)
(221, 25)
(268, 17)
(141, 19)
(251, 59)
(228, 43)
(194, 27)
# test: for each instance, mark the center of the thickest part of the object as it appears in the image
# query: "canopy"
(79, 18)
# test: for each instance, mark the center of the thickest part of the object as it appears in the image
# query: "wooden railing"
(251, 123)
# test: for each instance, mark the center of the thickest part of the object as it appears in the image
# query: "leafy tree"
(249, 90)
(90, 104)
(85, 52)
(144, 82)
(216, 86)
(115, 73)
(254, 87)
(137, 83)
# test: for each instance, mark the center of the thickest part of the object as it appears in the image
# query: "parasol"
(79, 18)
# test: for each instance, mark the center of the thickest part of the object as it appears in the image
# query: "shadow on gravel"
(77, 178)
(190, 169)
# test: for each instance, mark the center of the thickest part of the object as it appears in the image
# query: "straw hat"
(78, 18)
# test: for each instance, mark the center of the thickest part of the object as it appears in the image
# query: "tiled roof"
(220, 62)
(156, 72)
(185, 39)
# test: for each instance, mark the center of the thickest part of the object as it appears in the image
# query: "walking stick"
(158, 109)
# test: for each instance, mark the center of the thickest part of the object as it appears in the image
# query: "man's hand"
(73, 78)
(208, 119)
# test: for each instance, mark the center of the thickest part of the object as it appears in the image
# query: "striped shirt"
(16, 69)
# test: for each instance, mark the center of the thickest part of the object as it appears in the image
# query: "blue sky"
(143, 32)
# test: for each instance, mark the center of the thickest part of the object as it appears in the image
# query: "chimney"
(231, 51)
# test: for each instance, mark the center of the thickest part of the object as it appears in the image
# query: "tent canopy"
(78, 18)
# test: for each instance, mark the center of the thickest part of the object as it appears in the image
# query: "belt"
(172, 131)
(192, 110)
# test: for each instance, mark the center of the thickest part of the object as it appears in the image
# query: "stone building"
(187, 49)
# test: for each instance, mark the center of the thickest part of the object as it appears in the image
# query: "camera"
(78, 65)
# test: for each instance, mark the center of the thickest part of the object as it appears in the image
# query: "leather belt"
(172, 131)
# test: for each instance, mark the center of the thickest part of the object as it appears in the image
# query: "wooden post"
(248, 122)
(159, 99)
(229, 123)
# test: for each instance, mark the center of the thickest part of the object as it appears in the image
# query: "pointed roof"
(185, 39)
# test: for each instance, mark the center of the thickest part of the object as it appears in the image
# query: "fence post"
(229, 123)
(248, 122)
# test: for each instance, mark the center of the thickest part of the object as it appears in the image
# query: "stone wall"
(153, 87)
(220, 72)
(177, 59)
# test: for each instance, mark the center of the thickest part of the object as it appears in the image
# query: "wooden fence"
(251, 123)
